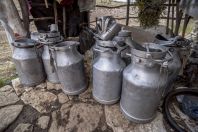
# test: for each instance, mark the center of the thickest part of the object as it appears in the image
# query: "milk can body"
(174, 67)
(49, 66)
(107, 76)
(70, 67)
(28, 62)
(49, 39)
(144, 81)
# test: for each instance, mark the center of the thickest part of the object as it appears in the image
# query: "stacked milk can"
(49, 39)
(138, 75)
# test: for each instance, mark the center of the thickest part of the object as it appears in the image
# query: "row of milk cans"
(139, 85)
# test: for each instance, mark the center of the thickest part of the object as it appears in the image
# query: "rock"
(24, 128)
(62, 98)
(18, 87)
(72, 97)
(7, 96)
(87, 95)
(65, 108)
(155, 126)
(9, 114)
(115, 119)
(27, 89)
(52, 86)
(83, 117)
(54, 124)
(40, 100)
(119, 123)
(43, 122)
(42, 86)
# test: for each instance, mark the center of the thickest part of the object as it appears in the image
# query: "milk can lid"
(25, 43)
(155, 51)
(64, 45)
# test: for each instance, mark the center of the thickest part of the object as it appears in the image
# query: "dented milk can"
(28, 62)
(49, 39)
(70, 67)
(144, 81)
(107, 73)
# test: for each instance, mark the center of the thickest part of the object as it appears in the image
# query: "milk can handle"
(166, 59)
(53, 60)
(120, 48)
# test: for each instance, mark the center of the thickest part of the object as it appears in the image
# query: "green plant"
(2, 83)
(7, 80)
(149, 12)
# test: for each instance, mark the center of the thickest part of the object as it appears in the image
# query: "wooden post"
(46, 4)
(186, 21)
(9, 32)
(168, 16)
(9, 13)
(127, 13)
(173, 14)
(64, 22)
(55, 12)
(25, 15)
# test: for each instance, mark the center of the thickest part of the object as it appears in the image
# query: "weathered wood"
(64, 22)
(168, 17)
(46, 4)
(55, 12)
(10, 15)
(120, 6)
(172, 20)
(186, 21)
(40, 4)
(179, 15)
(42, 18)
(25, 15)
(127, 12)
(9, 32)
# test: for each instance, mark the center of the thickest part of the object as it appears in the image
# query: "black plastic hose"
(168, 101)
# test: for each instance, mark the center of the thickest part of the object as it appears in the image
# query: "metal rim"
(64, 45)
(25, 43)
(152, 50)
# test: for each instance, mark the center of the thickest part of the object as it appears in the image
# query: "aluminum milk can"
(144, 81)
(28, 62)
(70, 67)
(49, 39)
(107, 73)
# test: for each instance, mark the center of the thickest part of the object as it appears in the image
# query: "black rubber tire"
(167, 102)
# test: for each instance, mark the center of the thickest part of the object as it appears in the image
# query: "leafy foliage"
(149, 12)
